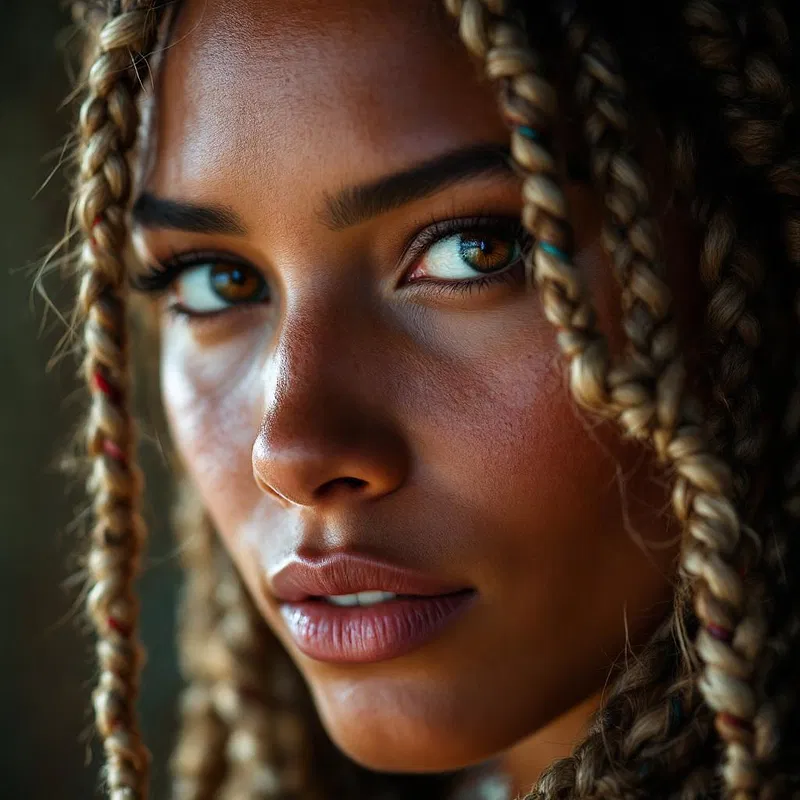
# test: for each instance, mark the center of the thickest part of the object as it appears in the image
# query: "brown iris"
(237, 283)
(487, 253)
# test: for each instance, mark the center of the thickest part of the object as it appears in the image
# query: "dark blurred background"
(46, 665)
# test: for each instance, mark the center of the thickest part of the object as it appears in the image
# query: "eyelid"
(159, 277)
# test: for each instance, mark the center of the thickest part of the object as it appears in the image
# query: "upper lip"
(345, 573)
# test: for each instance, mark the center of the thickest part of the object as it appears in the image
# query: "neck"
(526, 761)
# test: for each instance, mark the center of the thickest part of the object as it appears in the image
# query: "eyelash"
(158, 278)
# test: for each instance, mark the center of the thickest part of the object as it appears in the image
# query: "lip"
(363, 634)
(346, 573)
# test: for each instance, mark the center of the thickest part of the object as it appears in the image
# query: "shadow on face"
(352, 366)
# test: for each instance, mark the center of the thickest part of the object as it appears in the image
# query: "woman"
(491, 575)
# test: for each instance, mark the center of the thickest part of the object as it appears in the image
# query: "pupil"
(232, 275)
(234, 283)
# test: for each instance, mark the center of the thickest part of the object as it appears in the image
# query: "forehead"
(275, 90)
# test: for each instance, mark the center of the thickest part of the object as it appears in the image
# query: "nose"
(323, 439)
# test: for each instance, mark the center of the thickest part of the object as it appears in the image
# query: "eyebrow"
(151, 212)
(348, 207)
(356, 204)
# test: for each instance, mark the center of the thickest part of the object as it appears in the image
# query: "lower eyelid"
(511, 275)
(209, 316)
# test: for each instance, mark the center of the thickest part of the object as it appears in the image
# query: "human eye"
(468, 253)
(202, 285)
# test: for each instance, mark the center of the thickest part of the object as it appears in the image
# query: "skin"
(451, 410)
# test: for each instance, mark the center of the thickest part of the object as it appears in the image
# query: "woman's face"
(367, 396)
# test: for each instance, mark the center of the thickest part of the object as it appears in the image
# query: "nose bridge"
(323, 344)
(306, 371)
(324, 434)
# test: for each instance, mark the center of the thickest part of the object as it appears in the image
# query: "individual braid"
(198, 764)
(528, 104)
(754, 103)
(108, 122)
(712, 529)
(629, 233)
(600, 89)
(649, 728)
(729, 639)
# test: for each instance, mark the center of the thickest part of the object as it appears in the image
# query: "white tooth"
(343, 599)
(371, 598)
(360, 599)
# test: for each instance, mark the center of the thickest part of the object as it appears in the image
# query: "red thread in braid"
(112, 450)
(719, 633)
(725, 718)
(97, 220)
(103, 384)
(122, 628)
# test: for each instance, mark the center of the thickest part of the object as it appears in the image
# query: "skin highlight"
(476, 466)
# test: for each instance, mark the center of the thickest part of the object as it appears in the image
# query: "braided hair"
(709, 708)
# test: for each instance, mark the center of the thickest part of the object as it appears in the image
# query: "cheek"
(496, 421)
(544, 497)
(211, 397)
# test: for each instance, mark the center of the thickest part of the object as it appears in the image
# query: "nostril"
(347, 483)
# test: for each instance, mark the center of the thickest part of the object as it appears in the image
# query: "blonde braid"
(198, 764)
(666, 719)
(529, 106)
(731, 634)
(108, 122)
(630, 233)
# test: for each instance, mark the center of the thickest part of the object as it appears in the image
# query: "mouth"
(348, 609)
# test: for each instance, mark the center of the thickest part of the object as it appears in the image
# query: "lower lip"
(366, 634)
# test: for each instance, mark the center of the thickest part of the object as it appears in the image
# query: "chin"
(409, 726)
